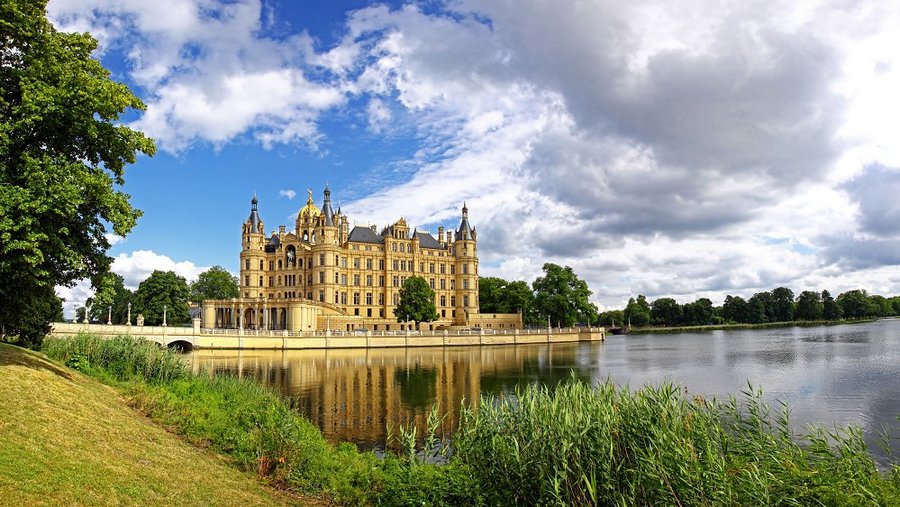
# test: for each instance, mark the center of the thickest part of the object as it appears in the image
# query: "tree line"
(558, 297)
(162, 291)
(777, 305)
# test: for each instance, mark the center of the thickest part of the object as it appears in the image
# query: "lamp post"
(129, 313)
(164, 316)
(109, 316)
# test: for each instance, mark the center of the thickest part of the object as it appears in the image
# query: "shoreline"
(730, 327)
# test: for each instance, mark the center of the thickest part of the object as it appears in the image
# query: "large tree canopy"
(62, 162)
(215, 283)
(162, 290)
(416, 301)
(562, 297)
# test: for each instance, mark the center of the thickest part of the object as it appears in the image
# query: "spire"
(326, 207)
(254, 216)
(464, 232)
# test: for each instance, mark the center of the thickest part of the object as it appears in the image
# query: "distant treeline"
(778, 305)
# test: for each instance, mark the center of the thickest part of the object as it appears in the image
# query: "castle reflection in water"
(354, 395)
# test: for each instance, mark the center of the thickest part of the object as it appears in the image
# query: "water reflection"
(829, 375)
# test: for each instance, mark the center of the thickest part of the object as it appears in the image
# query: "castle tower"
(326, 249)
(252, 269)
(466, 276)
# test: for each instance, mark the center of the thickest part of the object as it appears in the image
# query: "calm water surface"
(833, 376)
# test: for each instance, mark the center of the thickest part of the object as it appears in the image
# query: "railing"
(428, 333)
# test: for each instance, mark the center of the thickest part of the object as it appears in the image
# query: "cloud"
(657, 148)
(210, 75)
(289, 194)
(136, 266)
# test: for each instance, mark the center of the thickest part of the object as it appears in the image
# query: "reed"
(604, 445)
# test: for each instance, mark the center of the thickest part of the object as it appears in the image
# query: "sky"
(670, 149)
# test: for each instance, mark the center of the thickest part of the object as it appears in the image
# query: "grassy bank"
(66, 439)
(569, 446)
(767, 325)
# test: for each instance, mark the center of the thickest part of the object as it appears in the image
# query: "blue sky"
(659, 148)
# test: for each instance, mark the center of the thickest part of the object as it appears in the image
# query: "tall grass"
(121, 357)
(572, 445)
(583, 445)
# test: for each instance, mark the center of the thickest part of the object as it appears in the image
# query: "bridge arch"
(180, 345)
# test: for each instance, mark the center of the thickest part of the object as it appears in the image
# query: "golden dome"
(310, 210)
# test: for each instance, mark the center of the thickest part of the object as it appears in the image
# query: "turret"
(253, 253)
(466, 260)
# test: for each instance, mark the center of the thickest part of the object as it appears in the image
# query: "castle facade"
(323, 274)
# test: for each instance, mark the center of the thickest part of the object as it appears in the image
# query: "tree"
(62, 156)
(761, 308)
(490, 294)
(809, 306)
(830, 309)
(699, 313)
(496, 295)
(665, 312)
(214, 283)
(782, 305)
(855, 304)
(562, 297)
(111, 294)
(612, 318)
(162, 289)
(416, 302)
(637, 311)
(736, 309)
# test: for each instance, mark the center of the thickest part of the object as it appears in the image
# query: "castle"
(325, 275)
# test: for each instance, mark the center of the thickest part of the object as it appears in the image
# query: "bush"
(122, 357)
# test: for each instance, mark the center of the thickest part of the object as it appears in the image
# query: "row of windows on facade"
(398, 265)
(341, 279)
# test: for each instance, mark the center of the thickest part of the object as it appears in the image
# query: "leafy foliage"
(214, 283)
(162, 290)
(416, 301)
(62, 156)
(562, 297)
(496, 295)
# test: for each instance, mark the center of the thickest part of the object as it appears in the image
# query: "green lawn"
(67, 439)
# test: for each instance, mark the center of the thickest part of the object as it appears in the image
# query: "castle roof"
(426, 240)
(254, 216)
(362, 234)
(310, 210)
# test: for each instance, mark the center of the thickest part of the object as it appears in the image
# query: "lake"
(830, 375)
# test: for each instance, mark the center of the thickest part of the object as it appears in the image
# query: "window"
(431, 267)
(343, 298)
(335, 298)
(396, 299)
(465, 283)
(442, 269)
(431, 282)
(381, 280)
(368, 280)
(260, 281)
(369, 299)
(356, 263)
(466, 301)
(452, 284)
(337, 259)
(452, 269)
(322, 276)
(394, 247)
(279, 263)
(396, 265)
(271, 281)
(368, 312)
(271, 265)
(402, 265)
(343, 262)
(343, 279)
(422, 267)
(368, 263)
(356, 280)
(443, 300)
(279, 279)
(321, 259)
(246, 280)
(466, 269)
(443, 283)
(453, 301)
(247, 264)
(381, 298)
(402, 248)
(356, 298)
(336, 278)
(381, 314)
(396, 281)
(261, 264)
(381, 264)
(321, 296)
